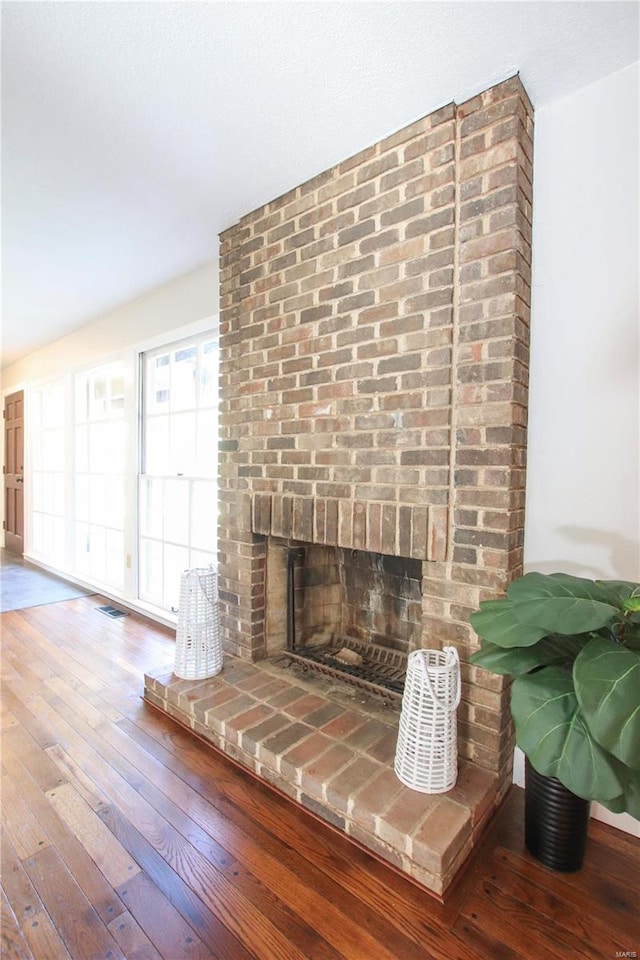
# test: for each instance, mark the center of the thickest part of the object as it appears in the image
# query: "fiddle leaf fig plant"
(573, 647)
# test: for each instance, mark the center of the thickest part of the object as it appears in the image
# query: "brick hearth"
(330, 748)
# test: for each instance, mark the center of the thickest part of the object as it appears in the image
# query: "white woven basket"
(427, 750)
(198, 644)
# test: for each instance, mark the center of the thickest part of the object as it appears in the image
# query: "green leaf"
(495, 622)
(505, 661)
(518, 660)
(559, 603)
(629, 801)
(557, 648)
(551, 731)
(603, 591)
(618, 590)
(632, 637)
(607, 684)
(617, 805)
(540, 584)
(632, 795)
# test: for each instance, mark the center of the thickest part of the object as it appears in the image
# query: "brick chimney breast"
(374, 369)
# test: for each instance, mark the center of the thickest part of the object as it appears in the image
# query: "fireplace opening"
(351, 614)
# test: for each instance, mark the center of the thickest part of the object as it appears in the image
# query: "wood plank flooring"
(124, 837)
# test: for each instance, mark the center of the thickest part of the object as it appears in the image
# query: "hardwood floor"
(124, 837)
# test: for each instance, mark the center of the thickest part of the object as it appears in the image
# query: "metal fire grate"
(382, 670)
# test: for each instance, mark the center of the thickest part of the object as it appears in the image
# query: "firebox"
(355, 614)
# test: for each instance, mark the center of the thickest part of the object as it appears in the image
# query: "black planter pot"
(555, 821)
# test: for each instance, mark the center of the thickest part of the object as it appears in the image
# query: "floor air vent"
(112, 612)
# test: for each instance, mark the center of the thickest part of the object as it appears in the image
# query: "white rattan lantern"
(427, 750)
(198, 644)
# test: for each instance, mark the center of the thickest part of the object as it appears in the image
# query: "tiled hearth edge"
(333, 756)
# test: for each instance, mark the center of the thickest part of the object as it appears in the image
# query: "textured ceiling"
(132, 133)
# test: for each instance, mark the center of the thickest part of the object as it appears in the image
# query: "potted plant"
(573, 647)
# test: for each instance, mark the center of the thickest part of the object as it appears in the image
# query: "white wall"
(583, 480)
(583, 483)
(185, 302)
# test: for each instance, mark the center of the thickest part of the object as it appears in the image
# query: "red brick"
(374, 798)
(339, 789)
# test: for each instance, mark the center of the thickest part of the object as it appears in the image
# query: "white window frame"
(166, 598)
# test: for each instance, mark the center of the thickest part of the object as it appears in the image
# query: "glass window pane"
(209, 374)
(82, 448)
(97, 505)
(53, 449)
(117, 388)
(183, 443)
(114, 557)
(57, 486)
(82, 547)
(82, 497)
(49, 537)
(157, 384)
(151, 507)
(114, 505)
(58, 535)
(151, 571)
(200, 558)
(98, 448)
(115, 439)
(82, 399)
(47, 493)
(53, 405)
(36, 448)
(97, 540)
(156, 450)
(176, 511)
(204, 515)
(207, 445)
(36, 408)
(176, 560)
(38, 535)
(97, 397)
(183, 378)
(38, 496)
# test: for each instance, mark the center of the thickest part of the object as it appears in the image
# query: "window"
(122, 493)
(47, 423)
(178, 490)
(100, 455)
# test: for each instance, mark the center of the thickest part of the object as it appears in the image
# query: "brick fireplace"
(374, 363)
